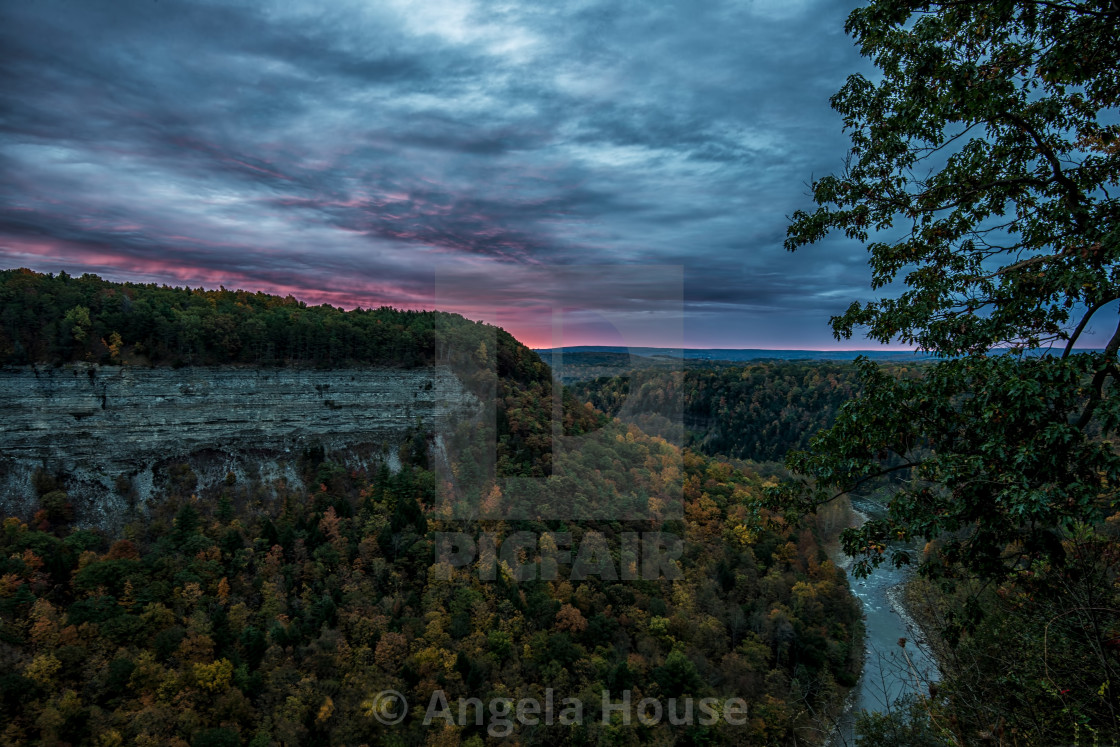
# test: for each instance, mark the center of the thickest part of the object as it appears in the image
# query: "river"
(890, 671)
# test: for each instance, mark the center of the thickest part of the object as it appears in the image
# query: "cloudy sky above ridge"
(630, 164)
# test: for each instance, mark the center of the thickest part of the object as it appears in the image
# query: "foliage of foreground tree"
(984, 164)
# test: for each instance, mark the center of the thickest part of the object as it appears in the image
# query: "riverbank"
(903, 607)
(921, 631)
(890, 671)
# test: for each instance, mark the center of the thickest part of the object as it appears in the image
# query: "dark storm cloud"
(346, 152)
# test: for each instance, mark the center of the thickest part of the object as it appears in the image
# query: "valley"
(239, 552)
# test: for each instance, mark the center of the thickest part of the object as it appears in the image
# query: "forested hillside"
(258, 613)
(757, 412)
(219, 623)
(58, 318)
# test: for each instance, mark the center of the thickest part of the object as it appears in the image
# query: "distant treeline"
(757, 412)
(60, 319)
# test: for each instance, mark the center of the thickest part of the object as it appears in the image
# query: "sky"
(579, 173)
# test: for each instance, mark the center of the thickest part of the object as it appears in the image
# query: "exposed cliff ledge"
(109, 429)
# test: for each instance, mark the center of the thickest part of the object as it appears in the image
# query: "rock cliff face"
(113, 431)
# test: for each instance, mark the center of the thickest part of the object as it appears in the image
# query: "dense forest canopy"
(216, 622)
(756, 412)
(54, 319)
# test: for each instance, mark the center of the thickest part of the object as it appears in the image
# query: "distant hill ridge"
(58, 319)
(752, 354)
(739, 354)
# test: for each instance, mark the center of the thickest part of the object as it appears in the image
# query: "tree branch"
(1064, 7)
(1081, 325)
(1073, 197)
(862, 480)
(1097, 387)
